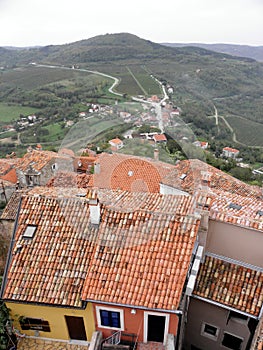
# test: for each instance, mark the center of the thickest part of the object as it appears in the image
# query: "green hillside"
(202, 79)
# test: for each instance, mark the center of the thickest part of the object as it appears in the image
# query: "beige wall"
(235, 242)
(199, 312)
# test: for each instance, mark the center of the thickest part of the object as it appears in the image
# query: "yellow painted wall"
(55, 317)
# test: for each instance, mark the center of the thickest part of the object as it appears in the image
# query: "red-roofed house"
(36, 167)
(116, 144)
(114, 261)
(230, 152)
(159, 138)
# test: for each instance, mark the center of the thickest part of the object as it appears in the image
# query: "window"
(209, 331)
(30, 231)
(54, 166)
(232, 342)
(34, 323)
(109, 317)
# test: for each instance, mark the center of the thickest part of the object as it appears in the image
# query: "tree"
(6, 332)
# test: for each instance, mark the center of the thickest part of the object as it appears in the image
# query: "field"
(135, 79)
(11, 113)
(247, 132)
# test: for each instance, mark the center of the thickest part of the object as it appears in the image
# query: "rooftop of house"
(38, 158)
(84, 163)
(7, 169)
(237, 209)
(116, 141)
(191, 174)
(232, 150)
(71, 179)
(231, 284)
(130, 173)
(59, 258)
(11, 209)
(159, 137)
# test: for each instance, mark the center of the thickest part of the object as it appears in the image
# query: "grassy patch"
(11, 113)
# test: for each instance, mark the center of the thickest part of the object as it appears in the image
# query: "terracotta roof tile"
(38, 158)
(11, 209)
(70, 179)
(136, 250)
(231, 200)
(236, 209)
(44, 269)
(69, 260)
(130, 173)
(230, 284)
(189, 175)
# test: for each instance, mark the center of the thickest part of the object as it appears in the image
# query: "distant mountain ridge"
(254, 52)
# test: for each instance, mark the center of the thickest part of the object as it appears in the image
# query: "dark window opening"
(235, 206)
(110, 318)
(232, 342)
(210, 329)
(34, 323)
(236, 316)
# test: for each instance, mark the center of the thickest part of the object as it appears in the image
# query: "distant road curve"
(115, 83)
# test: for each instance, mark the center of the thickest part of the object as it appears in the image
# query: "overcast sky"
(44, 22)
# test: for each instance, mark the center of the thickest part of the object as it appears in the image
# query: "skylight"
(235, 206)
(260, 212)
(30, 231)
(183, 176)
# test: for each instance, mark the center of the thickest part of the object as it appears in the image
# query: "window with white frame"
(110, 317)
(210, 331)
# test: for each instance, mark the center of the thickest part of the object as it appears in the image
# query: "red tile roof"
(188, 175)
(159, 137)
(230, 284)
(51, 268)
(84, 164)
(7, 170)
(70, 179)
(141, 260)
(116, 141)
(10, 176)
(69, 260)
(236, 209)
(229, 149)
(232, 200)
(130, 173)
(38, 158)
(11, 209)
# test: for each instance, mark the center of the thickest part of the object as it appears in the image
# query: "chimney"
(94, 207)
(206, 177)
(97, 167)
(156, 154)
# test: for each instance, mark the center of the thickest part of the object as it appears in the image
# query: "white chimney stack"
(94, 208)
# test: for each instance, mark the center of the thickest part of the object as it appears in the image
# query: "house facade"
(37, 167)
(230, 152)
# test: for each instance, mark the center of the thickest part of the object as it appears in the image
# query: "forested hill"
(103, 48)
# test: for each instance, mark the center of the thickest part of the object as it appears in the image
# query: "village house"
(154, 252)
(116, 144)
(201, 144)
(160, 139)
(225, 306)
(37, 167)
(106, 260)
(229, 152)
